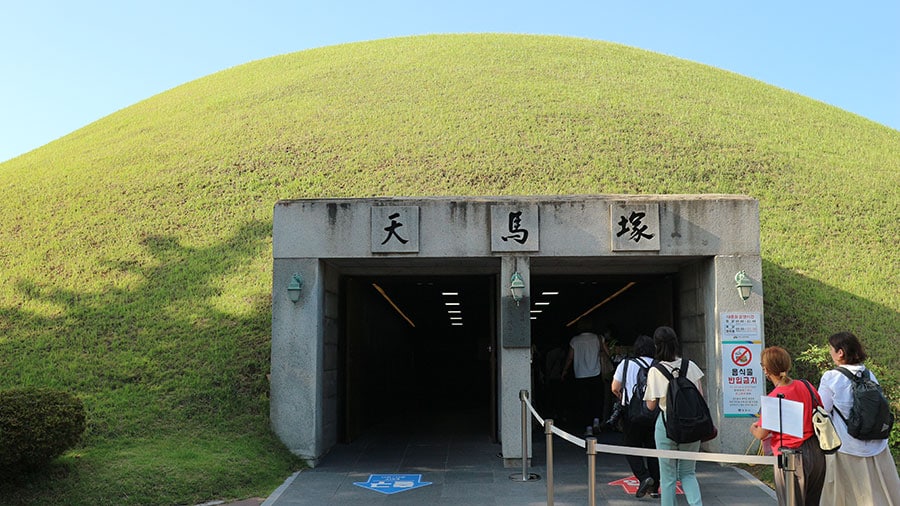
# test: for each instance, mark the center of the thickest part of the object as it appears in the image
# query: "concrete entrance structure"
(699, 241)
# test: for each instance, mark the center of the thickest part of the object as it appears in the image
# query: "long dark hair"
(643, 346)
(668, 347)
(853, 349)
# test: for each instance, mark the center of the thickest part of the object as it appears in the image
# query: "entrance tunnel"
(418, 347)
(345, 360)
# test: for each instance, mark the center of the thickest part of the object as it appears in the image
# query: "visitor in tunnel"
(584, 360)
(628, 385)
(668, 355)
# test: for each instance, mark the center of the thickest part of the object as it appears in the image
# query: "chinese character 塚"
(392, 229)
(637, 228)
(517, 233)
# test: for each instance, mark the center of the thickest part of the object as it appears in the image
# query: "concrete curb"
(270, 501)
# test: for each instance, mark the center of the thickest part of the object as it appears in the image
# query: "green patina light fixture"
(516, 287)
(743, 284)
(294, 287)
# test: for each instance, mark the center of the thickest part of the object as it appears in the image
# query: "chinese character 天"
(392, 230)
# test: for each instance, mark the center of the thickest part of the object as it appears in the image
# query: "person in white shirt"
(860, 472)
(645, 469)
(584, 360)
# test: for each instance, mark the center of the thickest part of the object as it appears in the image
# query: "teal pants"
(674, 470)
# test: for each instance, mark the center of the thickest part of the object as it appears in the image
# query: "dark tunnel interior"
(418, 345)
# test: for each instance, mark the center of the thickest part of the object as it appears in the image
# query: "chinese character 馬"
(517, 233)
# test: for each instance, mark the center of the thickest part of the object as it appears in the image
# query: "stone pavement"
(463, 468)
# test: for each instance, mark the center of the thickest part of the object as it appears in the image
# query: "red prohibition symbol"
(741, 355)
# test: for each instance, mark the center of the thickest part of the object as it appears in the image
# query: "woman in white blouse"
(860, 472)
(668, 353)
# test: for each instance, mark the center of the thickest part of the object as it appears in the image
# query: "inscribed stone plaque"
(515, 228)
(634, 227)
(395, 229)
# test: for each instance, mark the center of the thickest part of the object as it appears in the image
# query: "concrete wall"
(703, 239)
(692, 312)
(515, 359)
(331, 358)
(692, 225)
(298, 382)
(724, 297)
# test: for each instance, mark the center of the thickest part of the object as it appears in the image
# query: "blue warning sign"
(392, 483)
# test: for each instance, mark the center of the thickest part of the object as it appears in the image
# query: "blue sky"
(66, 64)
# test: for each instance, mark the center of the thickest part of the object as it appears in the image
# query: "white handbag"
(829, 440)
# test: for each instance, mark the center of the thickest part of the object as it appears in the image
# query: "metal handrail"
(592, 448)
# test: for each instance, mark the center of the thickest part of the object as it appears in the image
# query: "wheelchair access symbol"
(392, 483)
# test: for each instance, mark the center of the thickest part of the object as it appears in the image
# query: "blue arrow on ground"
(392, 483)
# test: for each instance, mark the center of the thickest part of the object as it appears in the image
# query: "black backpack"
(870, 416)
(687, 417)
(636, 410)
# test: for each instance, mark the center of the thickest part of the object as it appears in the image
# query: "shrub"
(37, 425)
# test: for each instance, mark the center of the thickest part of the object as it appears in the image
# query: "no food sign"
(742, 378)
(741, 356)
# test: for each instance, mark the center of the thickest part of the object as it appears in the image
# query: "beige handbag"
(829, 441)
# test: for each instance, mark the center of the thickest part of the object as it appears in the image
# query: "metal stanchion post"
(591, 447)
(525, 476)
(787, 462)
(548, 431)
(789, 468)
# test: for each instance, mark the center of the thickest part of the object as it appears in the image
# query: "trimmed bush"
(37, 425)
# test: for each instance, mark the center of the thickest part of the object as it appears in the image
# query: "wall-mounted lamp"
(516, 287)
(294, 287)
(743, 284)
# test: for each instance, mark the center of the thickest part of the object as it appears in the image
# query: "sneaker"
(655, 495)
(645, 487)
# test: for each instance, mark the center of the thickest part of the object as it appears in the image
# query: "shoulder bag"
(829, 441)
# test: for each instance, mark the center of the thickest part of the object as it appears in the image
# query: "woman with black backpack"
(862, 471)
(668, 355)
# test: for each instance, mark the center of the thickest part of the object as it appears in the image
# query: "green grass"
(187, 467)
(136, 251)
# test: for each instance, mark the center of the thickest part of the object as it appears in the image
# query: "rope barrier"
(533, 412)
(730, 458)
(575, 440)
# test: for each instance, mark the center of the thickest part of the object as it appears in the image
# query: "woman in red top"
(810, 464)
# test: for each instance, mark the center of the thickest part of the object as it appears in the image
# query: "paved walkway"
(463, 468)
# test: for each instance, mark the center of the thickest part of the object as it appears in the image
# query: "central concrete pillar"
(515, 359)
